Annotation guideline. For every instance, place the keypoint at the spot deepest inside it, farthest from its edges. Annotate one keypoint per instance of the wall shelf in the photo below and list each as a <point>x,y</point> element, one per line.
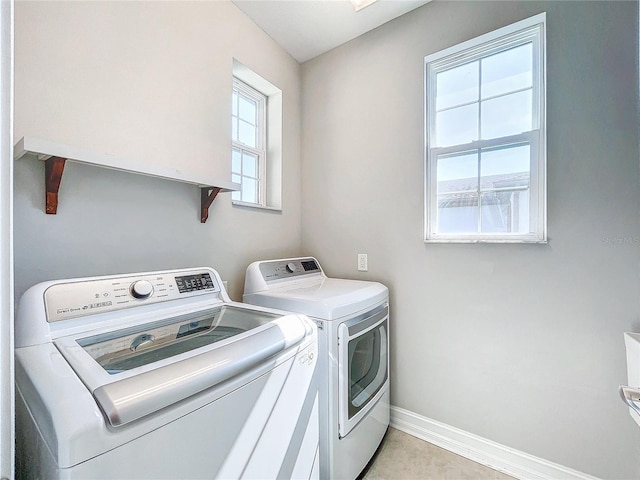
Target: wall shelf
<point>56,155</point>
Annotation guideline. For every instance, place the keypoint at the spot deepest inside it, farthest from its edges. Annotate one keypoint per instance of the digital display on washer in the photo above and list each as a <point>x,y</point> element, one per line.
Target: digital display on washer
<point>309,265</point>
<point>192,283</point>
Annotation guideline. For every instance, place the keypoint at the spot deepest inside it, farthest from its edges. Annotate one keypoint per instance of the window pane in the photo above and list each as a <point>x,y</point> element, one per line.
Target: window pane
<point>505,211</point>
<point>250,165</point>
<point>247,109</point>
<point>236,155</point>
<point>234,103</point>
<point>249,190</point>
<point>247,133</point>
<point>457,193</point>
<point>507,115</point>
<point>495,213</point>
<point>235,177</point>
<point>457,126</point>
<point>234,129</point>
<point>507,71</point>
<point>457,173</point>
<point>506,163</point>
<point>457,86</point>
<point>506,171</point>
<point>458,213</point>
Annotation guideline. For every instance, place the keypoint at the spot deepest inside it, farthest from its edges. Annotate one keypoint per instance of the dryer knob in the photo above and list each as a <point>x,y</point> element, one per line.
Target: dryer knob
<point>291,267</point>
<point>141,289</point>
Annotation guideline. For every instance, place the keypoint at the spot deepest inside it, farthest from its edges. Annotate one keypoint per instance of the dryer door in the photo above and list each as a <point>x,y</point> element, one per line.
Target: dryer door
<point>363,366</point>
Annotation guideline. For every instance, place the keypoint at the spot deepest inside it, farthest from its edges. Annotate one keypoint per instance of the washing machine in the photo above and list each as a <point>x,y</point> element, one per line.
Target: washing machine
<point>159,375</point>
<point>353,342</point>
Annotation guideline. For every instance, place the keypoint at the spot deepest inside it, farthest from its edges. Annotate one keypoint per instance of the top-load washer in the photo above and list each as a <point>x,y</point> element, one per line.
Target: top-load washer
<point>353,347</point>
<point>160,376</point>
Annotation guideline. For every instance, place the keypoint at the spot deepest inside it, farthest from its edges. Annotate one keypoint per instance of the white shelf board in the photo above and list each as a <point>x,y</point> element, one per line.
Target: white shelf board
<point>45,149</point>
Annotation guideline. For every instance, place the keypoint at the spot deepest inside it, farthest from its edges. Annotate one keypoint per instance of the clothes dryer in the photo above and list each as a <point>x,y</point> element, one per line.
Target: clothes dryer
<point>353,344</point>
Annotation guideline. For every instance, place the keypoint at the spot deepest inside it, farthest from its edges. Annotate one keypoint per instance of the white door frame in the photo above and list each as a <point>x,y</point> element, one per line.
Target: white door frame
<point>7,427</point>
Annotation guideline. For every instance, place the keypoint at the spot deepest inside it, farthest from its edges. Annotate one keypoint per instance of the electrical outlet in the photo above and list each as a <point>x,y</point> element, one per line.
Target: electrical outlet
<point>363,264</point>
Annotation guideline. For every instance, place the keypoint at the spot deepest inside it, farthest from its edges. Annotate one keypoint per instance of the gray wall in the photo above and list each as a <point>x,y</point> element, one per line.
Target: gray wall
<point>150,81</point>
<point>520,344</point>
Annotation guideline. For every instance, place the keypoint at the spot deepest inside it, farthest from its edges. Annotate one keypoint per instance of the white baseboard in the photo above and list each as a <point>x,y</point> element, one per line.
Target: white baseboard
<point>499,457</point>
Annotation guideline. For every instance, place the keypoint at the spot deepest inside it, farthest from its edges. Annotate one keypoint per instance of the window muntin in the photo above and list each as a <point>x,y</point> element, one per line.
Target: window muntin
<point>485,155</point>
<point>248,138</point>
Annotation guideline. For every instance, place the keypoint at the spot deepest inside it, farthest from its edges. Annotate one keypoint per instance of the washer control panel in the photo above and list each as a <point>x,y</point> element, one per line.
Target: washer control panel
<point>88,297</point>
<point>290,268</point>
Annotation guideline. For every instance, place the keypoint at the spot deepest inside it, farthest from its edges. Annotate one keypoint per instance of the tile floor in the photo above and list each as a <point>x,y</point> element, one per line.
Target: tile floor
<point>405,457</point>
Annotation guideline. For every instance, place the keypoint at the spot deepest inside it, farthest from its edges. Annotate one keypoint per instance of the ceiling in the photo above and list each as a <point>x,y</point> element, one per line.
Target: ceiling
<point>308,28</point>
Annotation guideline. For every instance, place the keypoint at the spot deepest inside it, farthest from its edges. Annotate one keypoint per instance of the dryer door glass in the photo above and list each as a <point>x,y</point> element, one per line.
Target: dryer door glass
<point>363,365</point>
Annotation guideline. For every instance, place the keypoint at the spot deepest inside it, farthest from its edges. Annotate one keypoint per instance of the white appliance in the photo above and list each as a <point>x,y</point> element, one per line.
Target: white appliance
<point>631,393</point>
<point>160,376</point>
<point>353,345</point>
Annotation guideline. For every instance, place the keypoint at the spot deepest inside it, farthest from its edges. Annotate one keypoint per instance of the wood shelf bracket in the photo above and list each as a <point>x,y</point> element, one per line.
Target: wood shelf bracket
<point>207,196</point>
<point>53,170</point>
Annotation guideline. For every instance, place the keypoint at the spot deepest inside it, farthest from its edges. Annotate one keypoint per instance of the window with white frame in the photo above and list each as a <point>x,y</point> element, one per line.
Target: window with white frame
<point>248,138</point>
<point>485,146</point>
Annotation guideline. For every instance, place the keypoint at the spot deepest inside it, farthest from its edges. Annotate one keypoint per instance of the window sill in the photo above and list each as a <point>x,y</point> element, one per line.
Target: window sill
<point>486,240</point>
<point>236,203</point>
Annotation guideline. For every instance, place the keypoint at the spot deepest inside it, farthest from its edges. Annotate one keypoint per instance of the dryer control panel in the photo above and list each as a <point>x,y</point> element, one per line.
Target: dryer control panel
<point>73,299</point>
<point>289,268</point>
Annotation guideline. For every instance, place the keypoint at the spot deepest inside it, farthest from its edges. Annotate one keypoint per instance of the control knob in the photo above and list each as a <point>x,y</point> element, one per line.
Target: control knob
<point>141,289</point>
<point>291,267</point>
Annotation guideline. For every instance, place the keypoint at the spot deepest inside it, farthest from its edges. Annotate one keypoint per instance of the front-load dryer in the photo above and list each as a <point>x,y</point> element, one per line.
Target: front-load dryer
<point>159,375</point>
<point>353,344</point>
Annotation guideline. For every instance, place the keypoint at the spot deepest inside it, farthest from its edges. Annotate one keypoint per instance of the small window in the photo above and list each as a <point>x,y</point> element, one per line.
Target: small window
<point>248,136</point>
<point>257,140</point>
<point>485,146</point>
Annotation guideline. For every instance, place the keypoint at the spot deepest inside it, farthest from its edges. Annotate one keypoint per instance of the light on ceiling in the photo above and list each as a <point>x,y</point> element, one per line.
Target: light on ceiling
<point>360,4</point>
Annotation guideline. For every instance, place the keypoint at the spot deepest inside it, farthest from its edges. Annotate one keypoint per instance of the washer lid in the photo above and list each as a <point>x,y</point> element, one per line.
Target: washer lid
<point>139,370</point>
<point>326,299</point>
